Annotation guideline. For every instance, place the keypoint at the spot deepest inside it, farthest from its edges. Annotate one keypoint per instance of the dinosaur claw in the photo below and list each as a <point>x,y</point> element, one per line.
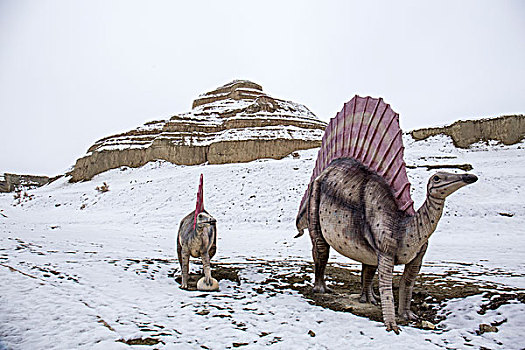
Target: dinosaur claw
<point>364,299</point>
<point>321,289</point>
<point>393,327</point>
<point>409,316</point>
<point>368,298</point>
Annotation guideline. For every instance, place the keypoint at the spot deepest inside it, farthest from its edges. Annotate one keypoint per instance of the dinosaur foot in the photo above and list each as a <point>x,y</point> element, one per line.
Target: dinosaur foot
<point>321,289</point>
<point>408,315</point>
<point>368,298</point>
<point>392,326</point>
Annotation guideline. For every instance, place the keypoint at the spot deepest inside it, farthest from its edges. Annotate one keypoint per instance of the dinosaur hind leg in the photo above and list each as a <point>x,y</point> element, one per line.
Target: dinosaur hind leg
<point>367,277</point>
<point>320,252</point>
<point>320,248</point>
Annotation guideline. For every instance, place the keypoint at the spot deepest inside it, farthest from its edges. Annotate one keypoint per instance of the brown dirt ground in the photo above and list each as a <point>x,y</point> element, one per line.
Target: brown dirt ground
<point>430,291</point>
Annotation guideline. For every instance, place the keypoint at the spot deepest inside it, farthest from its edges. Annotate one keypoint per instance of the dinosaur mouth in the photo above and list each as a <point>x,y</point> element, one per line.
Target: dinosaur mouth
<point>213,221</point>
<point>465,178</point>
<point>469,178</point>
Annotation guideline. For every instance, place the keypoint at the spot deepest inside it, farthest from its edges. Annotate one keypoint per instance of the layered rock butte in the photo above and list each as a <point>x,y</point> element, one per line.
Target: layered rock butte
<point>507,129</point>
<point>15,182</point>
<point>234,123</point>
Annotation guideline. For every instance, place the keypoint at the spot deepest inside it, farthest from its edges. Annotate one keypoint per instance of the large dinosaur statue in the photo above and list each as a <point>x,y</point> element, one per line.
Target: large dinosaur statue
<point>358,202</point>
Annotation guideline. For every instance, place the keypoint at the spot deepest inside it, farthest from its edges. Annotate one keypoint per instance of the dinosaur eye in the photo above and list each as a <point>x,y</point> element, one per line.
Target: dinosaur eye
<point>436,178</point>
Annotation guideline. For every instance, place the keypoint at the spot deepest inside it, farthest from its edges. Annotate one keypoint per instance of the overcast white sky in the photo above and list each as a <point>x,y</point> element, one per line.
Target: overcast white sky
<point>72,72</point>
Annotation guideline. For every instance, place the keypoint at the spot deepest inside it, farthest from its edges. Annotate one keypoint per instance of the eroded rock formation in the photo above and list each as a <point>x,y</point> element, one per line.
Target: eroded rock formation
<point>508,130</point>
<point>15,182</point>
<point>237,122</point>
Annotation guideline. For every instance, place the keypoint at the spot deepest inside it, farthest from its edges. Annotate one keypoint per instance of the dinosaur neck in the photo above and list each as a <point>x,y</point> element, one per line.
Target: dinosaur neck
<point>420,227</point>
<point>199,230</point>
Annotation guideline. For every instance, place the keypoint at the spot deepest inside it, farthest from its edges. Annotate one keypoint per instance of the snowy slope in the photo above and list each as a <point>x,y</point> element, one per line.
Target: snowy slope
<point>83,269</point>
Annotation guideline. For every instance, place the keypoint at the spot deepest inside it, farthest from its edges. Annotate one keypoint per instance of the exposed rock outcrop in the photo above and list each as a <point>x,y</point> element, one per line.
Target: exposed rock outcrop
<point>237,122</point>
<point>508,129</point>
<point>15,182</point>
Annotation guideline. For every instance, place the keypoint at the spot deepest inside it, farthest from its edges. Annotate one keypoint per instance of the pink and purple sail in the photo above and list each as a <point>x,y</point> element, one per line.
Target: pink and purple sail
<point>368,130</point>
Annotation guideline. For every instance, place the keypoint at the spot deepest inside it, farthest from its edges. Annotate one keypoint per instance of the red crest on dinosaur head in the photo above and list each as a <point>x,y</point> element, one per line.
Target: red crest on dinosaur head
<point>199,208</point>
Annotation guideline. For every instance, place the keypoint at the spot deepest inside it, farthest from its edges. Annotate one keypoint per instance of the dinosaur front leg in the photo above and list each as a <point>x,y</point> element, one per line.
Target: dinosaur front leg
<point>206,267</point>
<point>185,267</point>
<point>406,285</point>
<point>367,277</point>
<point>179,253</point>
<point>386,269</point>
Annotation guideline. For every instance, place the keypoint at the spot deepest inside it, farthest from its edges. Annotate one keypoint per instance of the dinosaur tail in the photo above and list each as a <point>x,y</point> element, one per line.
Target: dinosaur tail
<point>199,208</point>
<point>301,222</point>
<point>367,130</point>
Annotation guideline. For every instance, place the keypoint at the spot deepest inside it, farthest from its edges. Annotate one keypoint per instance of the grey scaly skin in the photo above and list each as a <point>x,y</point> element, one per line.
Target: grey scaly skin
<point>198,242</point>
<point>353,210</point>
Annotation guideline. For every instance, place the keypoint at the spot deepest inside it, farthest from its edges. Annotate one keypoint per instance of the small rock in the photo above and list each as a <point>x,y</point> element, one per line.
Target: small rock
<point>427,325</point>
<point>204,287</point>
<point>311,333</point>
<point>486,328</point>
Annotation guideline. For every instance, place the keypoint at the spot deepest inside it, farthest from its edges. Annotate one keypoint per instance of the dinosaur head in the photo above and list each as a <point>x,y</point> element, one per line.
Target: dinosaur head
<point>205,223</point>
<point>442,185</point>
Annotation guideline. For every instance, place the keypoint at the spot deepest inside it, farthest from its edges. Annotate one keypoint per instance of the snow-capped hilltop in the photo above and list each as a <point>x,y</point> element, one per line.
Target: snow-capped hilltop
<point>234,123</point>
<point>244,98</point>
<point>236,89</point>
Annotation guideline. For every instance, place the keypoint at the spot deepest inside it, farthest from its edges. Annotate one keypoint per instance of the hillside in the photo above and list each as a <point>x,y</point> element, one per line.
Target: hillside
<point>88,269</point>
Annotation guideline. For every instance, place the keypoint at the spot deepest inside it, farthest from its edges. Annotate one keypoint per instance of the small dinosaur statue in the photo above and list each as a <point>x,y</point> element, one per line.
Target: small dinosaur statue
<point>197,237</point>
<point>358,202</point>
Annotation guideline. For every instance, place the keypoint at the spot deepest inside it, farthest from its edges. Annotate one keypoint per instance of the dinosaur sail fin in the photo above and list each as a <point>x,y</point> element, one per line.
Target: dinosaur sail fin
<point>199,208</point>
<point>368,130</point>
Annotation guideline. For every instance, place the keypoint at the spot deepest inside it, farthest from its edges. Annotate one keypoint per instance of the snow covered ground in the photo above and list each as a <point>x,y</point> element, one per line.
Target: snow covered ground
<point>83,269</point>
